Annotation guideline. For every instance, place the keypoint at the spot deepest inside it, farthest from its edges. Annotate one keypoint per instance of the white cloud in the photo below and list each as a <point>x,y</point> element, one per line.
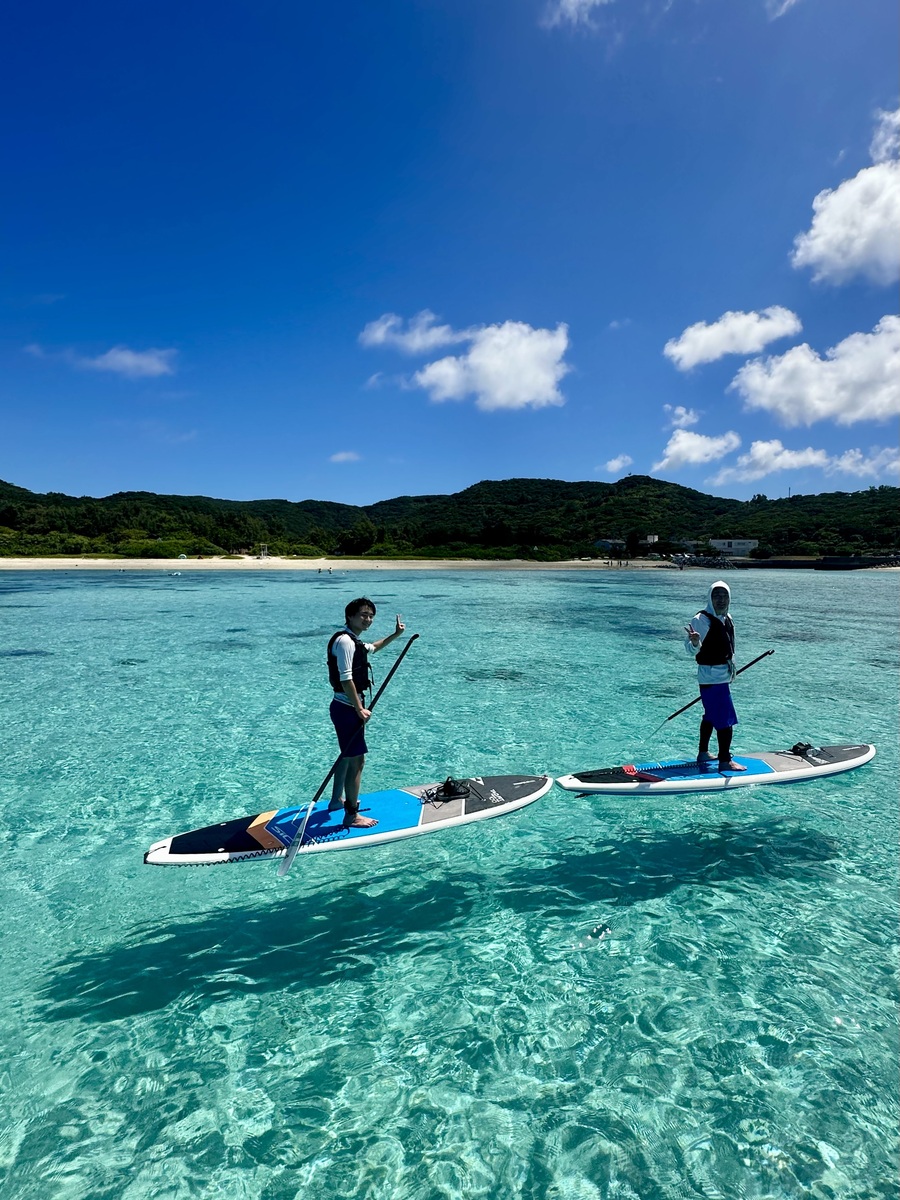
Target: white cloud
<point>885,143</point>
<point>133,364</point>
<point>733,333</point>
<point>855,229</point>
<point>508,366</point>
<point>857,380</point>
<point>856,226</point>
<point>681,417</point>
<point>881,461</point>
<point>619,463</point>
<point>581,12</point>
<point>420,337</point>
<point>571,12</point>
<point>159,431</point>
<point>765,458</point>
<point>777,8</point>
<point>120,360</point>
<point>343,456</point>
<point>685,449</point>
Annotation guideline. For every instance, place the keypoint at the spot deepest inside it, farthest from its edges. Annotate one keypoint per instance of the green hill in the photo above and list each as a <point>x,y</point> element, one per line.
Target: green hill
<point>534,518</point>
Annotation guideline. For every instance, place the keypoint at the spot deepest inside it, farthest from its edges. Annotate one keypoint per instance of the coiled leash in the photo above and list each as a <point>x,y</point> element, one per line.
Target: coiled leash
<point>450,789</point>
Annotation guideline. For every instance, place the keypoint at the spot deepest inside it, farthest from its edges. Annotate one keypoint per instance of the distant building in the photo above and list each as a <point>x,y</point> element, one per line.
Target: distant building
<point>609,544</point>
<point>739,546</point>
<point>651,539</point>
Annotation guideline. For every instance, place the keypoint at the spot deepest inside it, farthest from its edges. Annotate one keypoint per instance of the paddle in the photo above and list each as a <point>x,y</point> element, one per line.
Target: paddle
<point>696,699</point>
<point>296,841</point>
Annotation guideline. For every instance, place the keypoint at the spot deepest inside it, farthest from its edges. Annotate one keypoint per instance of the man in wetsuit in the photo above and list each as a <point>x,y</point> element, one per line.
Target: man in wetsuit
<point>348,673</point>
<point>710,639</point>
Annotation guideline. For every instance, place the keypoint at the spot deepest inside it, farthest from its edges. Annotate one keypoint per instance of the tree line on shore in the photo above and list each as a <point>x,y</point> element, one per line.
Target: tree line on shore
<point>540,519</point>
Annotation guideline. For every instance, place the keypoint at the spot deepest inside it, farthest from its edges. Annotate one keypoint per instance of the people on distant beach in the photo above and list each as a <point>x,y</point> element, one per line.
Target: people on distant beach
<point>710,639</point>
<point>350,678</point>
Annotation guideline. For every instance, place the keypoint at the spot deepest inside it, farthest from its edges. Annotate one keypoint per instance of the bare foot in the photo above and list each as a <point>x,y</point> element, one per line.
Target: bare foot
<point>335,805</point>
<point>704,757</point>
<point>358,821</point>
<point>731,766</point>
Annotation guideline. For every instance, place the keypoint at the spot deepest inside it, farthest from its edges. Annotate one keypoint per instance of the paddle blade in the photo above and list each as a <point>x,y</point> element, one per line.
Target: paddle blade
<point>296,842</point>
<point>287,862</point>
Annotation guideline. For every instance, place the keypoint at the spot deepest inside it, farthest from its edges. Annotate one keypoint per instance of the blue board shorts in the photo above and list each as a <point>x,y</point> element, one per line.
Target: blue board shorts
<point>718,707</point>
<point>349,729</point>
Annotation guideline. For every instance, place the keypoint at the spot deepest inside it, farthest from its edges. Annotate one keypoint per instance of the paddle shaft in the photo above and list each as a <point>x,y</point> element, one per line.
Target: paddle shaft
<point>297,839</point>
<point>697,699</point>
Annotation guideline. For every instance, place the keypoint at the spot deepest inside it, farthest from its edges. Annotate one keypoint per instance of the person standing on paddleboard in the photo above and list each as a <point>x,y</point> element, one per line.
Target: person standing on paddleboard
<point>350,678</point>
<point>710,639</point>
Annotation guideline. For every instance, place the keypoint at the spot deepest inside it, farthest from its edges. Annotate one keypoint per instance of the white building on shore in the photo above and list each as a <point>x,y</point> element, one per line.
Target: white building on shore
<point>736,546</point>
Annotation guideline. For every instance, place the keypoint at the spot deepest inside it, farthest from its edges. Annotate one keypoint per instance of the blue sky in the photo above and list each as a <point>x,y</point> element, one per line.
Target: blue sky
<point>355,251</point>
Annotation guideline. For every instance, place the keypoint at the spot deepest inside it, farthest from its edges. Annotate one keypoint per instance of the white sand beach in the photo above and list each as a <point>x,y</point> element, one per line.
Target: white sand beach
<point>316,565</point>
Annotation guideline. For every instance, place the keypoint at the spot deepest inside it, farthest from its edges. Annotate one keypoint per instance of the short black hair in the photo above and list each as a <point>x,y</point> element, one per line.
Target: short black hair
<point>355,605</point>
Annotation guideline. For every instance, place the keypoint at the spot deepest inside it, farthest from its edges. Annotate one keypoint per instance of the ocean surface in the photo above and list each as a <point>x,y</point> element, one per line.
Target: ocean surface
<point>593,998</point>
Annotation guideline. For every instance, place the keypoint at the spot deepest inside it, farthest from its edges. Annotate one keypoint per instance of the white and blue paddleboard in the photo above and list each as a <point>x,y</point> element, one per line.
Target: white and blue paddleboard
<point>400,813</point>
<point>675,775</point>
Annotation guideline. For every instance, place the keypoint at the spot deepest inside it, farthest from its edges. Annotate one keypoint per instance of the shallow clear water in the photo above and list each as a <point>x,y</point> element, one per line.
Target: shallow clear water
<point>433,1018</point>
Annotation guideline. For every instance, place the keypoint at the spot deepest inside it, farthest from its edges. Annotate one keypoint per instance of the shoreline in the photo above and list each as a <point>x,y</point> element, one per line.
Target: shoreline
<point>323,565</point>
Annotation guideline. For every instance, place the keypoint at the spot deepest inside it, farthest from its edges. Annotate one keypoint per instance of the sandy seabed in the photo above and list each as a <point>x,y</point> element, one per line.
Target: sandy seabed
<point>320,565</point>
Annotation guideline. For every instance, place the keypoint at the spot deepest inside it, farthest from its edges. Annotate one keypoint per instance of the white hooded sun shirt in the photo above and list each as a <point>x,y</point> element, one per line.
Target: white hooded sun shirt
<point>723,672</point>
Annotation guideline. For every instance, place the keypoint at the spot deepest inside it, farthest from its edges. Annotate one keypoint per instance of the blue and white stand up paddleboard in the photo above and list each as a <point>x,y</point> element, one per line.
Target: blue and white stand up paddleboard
<point>400,813</point>
<point>676,775</point>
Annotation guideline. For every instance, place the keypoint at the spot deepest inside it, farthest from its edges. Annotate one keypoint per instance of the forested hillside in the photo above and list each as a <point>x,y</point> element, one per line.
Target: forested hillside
<point>533,518</point>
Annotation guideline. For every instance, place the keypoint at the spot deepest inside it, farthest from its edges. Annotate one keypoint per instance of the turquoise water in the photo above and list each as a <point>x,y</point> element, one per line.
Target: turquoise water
<point>434,1019</point>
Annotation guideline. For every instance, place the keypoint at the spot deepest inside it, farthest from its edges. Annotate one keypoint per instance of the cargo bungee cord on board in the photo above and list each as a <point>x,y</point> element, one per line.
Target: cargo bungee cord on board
<point>288,861</point>
<point>696,700</point>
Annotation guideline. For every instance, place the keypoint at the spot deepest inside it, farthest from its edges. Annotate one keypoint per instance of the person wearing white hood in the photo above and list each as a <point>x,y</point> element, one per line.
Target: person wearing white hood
<point>710,639</point>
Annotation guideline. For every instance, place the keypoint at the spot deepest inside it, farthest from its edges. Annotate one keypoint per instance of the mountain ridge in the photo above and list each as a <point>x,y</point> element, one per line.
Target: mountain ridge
<point>521,517</point>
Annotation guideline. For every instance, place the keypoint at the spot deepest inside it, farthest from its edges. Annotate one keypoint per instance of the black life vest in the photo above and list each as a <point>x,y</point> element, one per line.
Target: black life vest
<point>361,673</point>
<point>718,645</point>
